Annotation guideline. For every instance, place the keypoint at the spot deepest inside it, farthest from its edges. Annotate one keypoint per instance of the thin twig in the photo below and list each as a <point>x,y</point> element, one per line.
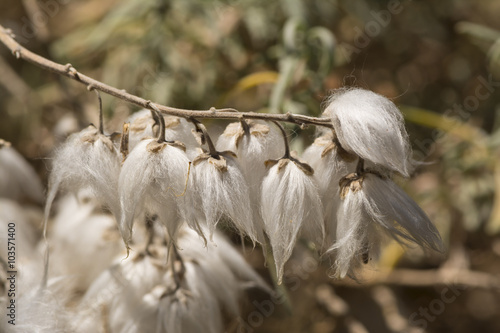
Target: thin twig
<point>101,117</point>
<point>430,278</point>
<point>161,122</point>
<point>211,147</point>
<point>7,38</point>
<point>285,140</point>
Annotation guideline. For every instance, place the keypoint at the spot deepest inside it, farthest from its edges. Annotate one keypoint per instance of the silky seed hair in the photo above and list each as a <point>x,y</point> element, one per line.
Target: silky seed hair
<point>372,127</point>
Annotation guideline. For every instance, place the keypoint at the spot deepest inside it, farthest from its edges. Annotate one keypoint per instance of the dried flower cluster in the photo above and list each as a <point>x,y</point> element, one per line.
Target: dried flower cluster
<point>341,197</point>
<point>182,275</point>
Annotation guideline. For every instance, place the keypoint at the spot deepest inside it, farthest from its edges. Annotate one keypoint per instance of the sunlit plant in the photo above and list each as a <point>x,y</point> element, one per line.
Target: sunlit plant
<point>169,185</point>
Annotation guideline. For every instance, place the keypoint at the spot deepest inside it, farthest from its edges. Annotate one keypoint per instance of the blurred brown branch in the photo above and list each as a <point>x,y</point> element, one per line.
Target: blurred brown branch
<point>429,278</point>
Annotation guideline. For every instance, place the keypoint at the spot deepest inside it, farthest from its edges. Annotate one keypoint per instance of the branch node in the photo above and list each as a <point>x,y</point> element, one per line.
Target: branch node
<point>17,52</point>
<point>213,110</point>
<point>285,139</point>
<point>244,124</point>
<point>8,32</point>
<point>71,70</point>
<point>90,87</point>
<point>161,136</point>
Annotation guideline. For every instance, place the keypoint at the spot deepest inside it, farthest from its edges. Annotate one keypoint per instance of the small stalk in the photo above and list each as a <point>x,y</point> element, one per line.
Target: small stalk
<point>101,117</point>
<point>211,147</point>
<point>245,126</point>
<point>360,167</point>
<point>174,257</point>
<point>285,139</point>
<point>161,121</point>
<point>91,87</point>
<point>124,141</point>
<point>150,220</point>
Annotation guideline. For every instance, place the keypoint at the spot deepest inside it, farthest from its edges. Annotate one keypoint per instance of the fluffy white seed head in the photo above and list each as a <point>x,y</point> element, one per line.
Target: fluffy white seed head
<point>155,176</point>
<point>223,192</point>
<point>193,308</point>
<point>181,130</point>
<point>18,179</point>
<point>87,159</point>
<point>83,242</point>
<point>220,254</point>
<point>330,163</point>
<point>262,142</point>
<point>372,127</point>
<point>142,126</point>
<point>140,294</point>
<point>372,208</point>
<point>399,214</point>
<point>37,310</point>
<point>253,145</point>
<point>290,203</point>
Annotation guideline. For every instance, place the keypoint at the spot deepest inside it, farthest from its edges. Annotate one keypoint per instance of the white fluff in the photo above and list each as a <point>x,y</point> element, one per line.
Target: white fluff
<point>262,142</point>
<point>139,295</point>
<point>114,302</point>
<point>18,179</point>
<point>142,126</point>
<point>222,261</point>
<point>193,308</point>
<point>234,261</point>
<point>372,208</point>
<point>83,243</point>
<point>290,200</point>
<point>181,130</point>
<point>394,210</point>
<point>39,311</point>
<point>223,192</point>
<point>155,175</point>
<point>330,164</point>
<point>26,235</point>
<point>372,127</point>
<point>87,159</point>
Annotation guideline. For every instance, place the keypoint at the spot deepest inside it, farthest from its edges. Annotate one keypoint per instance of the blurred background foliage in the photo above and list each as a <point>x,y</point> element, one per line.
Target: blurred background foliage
<point>438,60</point>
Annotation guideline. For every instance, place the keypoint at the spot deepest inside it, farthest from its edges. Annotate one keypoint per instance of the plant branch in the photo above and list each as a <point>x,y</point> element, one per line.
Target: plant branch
<point>211,147</point>
<point>429,278</point>
<point>7,38</point>
<point>285,140</point>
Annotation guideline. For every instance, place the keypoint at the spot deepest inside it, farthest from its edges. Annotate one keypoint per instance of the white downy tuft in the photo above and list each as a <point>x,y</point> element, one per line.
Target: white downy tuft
<point>330,163</point>
<point>114,301</point>
<point>155,175</point>
<point>223,192</point>
<point>141,294</point>
<point>87,159</point>
<point>221,258</point>
<point>239,267</point>
<point>181,130</point>
<point>193,308</point>
<point>372,127</point>
<point>18,179</point>
<point>253,145</point>
<point>253,149</point>
<point>399,214</point>
<point>290,200</point>
<point>39,311</point>
<point>83,242</point>
<point>372,208</point>
<point>142,126</point>
<point>352,231</point>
